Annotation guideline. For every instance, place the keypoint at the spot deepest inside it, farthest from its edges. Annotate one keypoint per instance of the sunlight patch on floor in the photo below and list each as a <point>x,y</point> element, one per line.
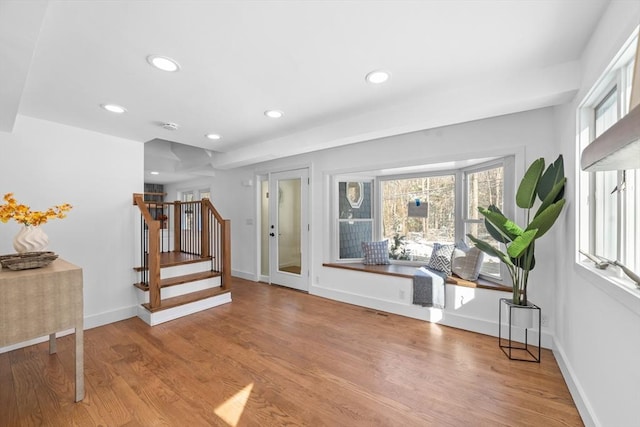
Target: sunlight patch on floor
<point>231,410</point>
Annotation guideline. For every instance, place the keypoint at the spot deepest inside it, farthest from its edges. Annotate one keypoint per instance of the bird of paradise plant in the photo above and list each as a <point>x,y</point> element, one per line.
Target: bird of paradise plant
<point>23,214</point>
<point>547,185</point>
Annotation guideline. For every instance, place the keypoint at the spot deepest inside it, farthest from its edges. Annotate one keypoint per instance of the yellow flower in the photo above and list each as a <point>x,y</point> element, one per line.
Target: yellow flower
<point>23,214</point>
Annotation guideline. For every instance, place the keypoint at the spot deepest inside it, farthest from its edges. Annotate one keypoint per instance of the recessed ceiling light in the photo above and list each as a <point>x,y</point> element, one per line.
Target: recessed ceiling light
<point>163,63</point>
<point>154,173</point>
<point>114,108</point>
<point>213,136</point>
<point>377,76</point>
<point>274,114</point>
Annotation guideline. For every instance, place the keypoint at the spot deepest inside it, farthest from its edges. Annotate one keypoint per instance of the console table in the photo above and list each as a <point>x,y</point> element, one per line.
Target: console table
<point>42,301</point>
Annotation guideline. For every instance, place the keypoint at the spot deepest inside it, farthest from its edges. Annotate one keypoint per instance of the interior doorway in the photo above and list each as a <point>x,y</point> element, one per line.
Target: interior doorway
<point>284,228</point>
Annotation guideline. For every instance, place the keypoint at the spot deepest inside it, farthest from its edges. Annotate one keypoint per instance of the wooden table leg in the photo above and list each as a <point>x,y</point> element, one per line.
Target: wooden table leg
<point>79,363</point>
<point>52,343</point>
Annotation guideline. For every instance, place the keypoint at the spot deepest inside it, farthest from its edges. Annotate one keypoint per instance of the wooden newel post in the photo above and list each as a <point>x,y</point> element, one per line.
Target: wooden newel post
<point>154,264</point>
<point>226,254</point>
<point>204,229</point>
<point>177,226</point>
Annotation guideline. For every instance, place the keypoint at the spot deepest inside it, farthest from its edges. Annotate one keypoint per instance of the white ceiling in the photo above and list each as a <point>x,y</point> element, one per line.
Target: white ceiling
<point>451,61</point>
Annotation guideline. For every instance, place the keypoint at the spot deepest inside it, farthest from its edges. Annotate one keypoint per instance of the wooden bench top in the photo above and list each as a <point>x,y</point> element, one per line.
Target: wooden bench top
<point>408,271</point>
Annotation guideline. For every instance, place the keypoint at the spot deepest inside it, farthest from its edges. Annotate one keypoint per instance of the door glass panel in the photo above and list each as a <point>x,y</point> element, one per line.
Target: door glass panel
<point>289,215</point>
<point>264,227</point>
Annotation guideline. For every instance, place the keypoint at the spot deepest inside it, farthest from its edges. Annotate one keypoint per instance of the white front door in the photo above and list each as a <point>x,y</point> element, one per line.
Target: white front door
<point>288,229</point>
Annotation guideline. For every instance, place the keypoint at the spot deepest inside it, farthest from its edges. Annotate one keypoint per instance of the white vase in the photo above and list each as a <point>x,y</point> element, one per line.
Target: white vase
<point>30,238</point>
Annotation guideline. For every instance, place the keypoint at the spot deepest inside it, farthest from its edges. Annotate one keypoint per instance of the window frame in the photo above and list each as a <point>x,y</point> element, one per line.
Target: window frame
<point>615,77</point>
<point>430,174</point>
<point>508,204</point>
<point>335,215</point>
<point>506,160</point>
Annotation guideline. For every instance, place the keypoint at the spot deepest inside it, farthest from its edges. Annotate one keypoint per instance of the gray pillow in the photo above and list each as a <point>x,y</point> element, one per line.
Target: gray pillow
<point>467,261</point>
<point>375,252</point>
<point>441,258</point>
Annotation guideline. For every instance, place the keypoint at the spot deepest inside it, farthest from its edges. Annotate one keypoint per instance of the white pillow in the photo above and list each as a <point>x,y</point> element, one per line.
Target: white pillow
<point>467,261</point>
<point>440,258</point>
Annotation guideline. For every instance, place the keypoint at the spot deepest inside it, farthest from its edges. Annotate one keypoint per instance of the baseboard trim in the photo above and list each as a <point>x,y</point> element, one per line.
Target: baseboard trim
<point>585,409</point>
<point>90,322</point>
<point>244,275</point>
<point>105,318</point>
<point>434,315</point>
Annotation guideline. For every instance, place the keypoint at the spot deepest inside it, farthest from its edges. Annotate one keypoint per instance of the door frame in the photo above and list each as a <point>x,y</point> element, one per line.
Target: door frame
<point>306,249</point>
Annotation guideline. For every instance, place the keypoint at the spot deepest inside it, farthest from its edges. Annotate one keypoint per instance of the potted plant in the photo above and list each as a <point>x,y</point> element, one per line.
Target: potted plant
<point>397,249</point>
<point>537,183</point>
<point>30,238</point>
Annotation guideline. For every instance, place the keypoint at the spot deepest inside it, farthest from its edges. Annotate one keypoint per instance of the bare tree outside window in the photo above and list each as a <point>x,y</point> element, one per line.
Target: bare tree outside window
<point>417,235</point>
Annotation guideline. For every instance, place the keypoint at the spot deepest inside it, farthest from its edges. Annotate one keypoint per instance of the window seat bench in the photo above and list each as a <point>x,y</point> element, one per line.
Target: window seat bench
<point>408,271</point>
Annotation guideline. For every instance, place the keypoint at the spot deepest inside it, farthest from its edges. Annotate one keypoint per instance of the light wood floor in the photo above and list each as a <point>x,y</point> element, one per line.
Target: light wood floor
<point>277,357</point>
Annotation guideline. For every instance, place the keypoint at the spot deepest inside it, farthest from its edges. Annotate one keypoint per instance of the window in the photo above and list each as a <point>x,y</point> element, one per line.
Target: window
<point>484,187</point>
<point>355,216</point>
<point>414,211</point>
<point>413,231</point>
<point>606,239</point>
<point>191,215</point>
<point>187,211</point>
<point>610,200</point>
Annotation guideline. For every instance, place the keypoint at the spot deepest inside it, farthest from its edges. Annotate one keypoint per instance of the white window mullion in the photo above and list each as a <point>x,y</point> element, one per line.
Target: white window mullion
<point>461,205</point>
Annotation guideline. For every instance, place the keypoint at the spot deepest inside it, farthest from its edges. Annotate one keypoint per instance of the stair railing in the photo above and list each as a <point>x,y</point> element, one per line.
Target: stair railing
<point>216,232</point>
<point>204,232</point>
<point>150,251</point>
<point>195,228</point>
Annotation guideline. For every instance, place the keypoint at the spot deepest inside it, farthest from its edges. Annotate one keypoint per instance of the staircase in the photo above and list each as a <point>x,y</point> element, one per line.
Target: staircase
<point>185,259</point>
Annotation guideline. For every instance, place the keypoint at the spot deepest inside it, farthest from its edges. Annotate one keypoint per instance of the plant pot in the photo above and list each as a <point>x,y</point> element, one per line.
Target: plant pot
<point>30,238</point>
<point>519,315</point>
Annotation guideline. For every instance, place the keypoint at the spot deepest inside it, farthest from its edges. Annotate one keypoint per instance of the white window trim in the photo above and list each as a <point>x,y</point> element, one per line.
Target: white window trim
<point>335,216</point>
<point>611,281</point>
<point>378,206</point>
<point>507,160</point>
<point>508,203</point>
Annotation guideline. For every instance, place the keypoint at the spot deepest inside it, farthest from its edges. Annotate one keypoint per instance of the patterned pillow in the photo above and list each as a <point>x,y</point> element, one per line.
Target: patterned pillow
<point>441,258</point>
<point>375,252</point>
<point>467,261</point>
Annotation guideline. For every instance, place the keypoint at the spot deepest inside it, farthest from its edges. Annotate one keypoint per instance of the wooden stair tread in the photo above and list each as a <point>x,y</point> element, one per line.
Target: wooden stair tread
<point>172,259</point>
<point>193,277</point>
<point>179,280</point>
<point>186,299</point>
<point>183,262</point>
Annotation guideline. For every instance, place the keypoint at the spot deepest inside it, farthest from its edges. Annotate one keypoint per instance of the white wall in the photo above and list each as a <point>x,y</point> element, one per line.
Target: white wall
<point>595,338</point>
<point>44,164</point>
<point>527,135</point>
<point>597,333</point>
<point>236,202</point>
